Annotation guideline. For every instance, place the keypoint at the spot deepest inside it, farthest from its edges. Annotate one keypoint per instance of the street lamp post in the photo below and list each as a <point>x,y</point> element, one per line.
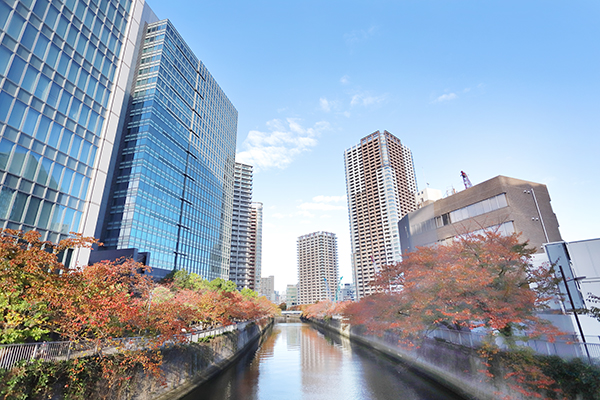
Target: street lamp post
<point>562,273</point>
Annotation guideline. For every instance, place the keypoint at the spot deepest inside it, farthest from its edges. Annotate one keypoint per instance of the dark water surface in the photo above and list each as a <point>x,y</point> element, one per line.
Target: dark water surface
<point>297,362</point>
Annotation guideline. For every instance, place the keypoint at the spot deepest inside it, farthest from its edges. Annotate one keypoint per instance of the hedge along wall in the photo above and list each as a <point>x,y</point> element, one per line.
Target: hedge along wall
<point>184,367</point>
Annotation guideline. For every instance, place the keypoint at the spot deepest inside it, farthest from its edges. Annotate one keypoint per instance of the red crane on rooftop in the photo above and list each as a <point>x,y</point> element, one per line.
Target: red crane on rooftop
<point>466,179</point>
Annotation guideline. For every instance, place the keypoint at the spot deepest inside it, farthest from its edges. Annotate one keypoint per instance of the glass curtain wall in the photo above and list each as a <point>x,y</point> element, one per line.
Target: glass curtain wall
<point>57,67</point>
<point>173,192</point>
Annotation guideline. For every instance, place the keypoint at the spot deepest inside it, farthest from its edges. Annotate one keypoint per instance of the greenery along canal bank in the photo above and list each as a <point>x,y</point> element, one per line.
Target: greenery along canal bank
<point>183,367</point>
<point>45,306</point>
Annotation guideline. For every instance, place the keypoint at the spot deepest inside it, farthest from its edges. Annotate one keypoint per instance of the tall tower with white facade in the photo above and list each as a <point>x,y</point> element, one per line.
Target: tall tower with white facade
<point>255,245</point>
<point>381,187</point>
<point>317,267</point>
<point>239,267</point>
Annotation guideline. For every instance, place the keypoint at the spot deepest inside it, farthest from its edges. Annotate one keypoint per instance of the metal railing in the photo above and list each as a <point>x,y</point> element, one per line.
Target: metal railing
<point>11,354</point>
<point>564,349</point>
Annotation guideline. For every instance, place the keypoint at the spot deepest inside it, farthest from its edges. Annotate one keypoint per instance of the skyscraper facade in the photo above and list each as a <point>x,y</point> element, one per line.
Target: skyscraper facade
<point>65,69</point>
<point>255,242</point>
<point>111,127</point>
<point>381,187</point>
<point>317,267</point>
<point>172,190</point>
<point>239,266</point>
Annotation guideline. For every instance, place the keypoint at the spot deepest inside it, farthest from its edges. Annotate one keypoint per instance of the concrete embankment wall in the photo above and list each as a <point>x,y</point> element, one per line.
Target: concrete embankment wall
<point>455,367</point>
<point>187,366</point>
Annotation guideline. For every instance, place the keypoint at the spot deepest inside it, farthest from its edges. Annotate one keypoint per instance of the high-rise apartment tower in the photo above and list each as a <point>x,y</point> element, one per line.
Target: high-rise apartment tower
<point>239,266</point>
<point>267,287</point>
<point>255,245</point>
<point>381,187</point>
<point>317,267</point>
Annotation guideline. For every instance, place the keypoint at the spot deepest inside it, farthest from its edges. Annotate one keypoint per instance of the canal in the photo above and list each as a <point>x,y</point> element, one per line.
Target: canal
<point>299,362</point>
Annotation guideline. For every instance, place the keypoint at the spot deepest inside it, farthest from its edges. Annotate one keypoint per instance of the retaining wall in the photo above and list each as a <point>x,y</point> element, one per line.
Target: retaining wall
<point>455,367</point>
<point>188,366</point>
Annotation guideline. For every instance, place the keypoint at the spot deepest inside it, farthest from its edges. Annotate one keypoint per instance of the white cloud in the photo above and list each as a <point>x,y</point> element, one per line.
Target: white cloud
<point>446,97</point>
<point>329,199</point>
<point>304,213</point>
<point>359,36</point>
<point>324,104</point>
<point>324,203</point>
<point>366,99</point>
<point>320,207</point>
<point>344,80</point>
<point>278,147</point>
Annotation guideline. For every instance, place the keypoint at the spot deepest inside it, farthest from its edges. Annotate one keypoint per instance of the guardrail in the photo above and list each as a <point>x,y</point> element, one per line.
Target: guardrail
<point>11,354</point>
<point>564,349</point>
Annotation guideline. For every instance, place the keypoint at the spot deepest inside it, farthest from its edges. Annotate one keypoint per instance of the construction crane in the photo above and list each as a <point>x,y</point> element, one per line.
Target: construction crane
<point>328,289</point>
<point>466,179</point>
<point>338,289</point>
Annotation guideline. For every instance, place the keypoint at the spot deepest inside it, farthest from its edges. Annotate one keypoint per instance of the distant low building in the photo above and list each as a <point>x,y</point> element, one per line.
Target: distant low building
<point>291,295</point>
<point>347,292</point>
<point>267,287</point>
<point>427,196</point>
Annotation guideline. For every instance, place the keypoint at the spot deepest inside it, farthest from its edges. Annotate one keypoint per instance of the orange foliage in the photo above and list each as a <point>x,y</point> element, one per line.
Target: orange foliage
<point>325,309</point>
<point>40,299</point>
<point>478,281</point>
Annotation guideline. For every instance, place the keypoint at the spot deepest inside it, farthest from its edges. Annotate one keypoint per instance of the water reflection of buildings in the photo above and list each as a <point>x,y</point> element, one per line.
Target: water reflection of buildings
<point>293,334</point>
<point>320,361</point>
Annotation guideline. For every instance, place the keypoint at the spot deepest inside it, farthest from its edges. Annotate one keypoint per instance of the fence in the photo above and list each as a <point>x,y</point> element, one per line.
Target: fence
<point>11,354</point>
<point>564,349</point>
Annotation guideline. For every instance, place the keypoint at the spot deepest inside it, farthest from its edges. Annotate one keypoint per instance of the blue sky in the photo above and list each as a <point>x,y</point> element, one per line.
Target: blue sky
<point>489,87</point>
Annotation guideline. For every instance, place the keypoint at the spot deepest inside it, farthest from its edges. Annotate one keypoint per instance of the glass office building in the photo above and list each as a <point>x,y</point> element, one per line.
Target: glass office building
<point>172,191</point>
<point>59,67</point>
<point>157,176</point>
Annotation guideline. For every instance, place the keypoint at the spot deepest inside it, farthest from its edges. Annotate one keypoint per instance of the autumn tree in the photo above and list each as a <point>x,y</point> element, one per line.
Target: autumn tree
<point>485,280</point>
<point>325,309</point>
<point>30,277</point>
<point>41,299</point>
<point>39,296</point>
<point>104,300</point>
